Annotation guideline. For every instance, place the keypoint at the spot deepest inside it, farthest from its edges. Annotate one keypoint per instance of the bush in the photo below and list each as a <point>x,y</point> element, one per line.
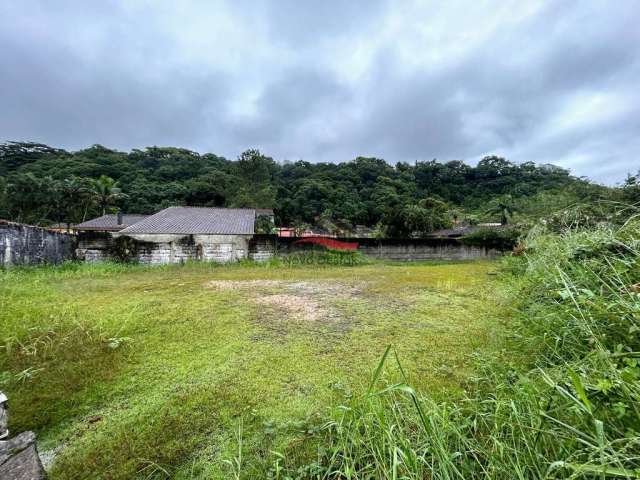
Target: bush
<point>588,216</point>
<point>503,238</point>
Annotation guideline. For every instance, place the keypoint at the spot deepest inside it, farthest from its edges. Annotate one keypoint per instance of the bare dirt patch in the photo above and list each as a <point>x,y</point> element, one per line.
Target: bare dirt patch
<point>295,307</point>
<point>304,301</point>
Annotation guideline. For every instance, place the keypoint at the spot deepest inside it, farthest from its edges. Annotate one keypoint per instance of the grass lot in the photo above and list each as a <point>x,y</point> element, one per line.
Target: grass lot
<point>133,372</point>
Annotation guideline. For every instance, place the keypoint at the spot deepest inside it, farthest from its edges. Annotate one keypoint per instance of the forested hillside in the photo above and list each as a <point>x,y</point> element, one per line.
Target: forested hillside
<point>41,184</point>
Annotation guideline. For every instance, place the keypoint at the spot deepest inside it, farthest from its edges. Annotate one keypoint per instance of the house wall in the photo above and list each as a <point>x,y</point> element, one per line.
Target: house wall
<point>27,245</point>
<point>263,247</point>
<point>162,249</point>
<point>94,246</point>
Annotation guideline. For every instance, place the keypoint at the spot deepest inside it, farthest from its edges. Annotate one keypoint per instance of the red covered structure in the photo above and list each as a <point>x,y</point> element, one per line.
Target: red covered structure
<point>328,243</point>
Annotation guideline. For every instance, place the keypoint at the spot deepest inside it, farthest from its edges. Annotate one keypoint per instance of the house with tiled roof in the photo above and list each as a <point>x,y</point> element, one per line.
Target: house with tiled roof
<point>196,221</point>
<point>172,235</point>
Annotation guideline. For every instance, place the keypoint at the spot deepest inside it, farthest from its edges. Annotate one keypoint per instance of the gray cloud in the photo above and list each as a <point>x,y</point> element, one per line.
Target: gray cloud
<point>538,81</point>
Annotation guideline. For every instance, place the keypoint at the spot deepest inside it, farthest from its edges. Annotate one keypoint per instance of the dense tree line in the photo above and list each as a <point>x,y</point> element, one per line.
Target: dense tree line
<point>41,184</point>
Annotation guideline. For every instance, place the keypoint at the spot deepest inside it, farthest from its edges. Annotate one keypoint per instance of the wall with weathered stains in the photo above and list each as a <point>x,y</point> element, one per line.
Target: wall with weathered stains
<point>27,245</point>
<point>263,247</point>
<point>412,253</point>
<point>94,246</point>
<point>163,249</point>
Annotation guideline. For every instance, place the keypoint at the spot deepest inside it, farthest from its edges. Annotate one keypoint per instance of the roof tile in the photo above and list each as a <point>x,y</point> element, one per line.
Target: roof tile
<point>110,222</point>
<point>197,220</point>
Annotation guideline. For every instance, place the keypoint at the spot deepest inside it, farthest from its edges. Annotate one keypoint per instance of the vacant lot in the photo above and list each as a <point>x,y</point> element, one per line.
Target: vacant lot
<point>135,372</point>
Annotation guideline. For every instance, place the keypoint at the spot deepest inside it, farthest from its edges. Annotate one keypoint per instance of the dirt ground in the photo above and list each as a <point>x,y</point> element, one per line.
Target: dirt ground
<point>312,301</point>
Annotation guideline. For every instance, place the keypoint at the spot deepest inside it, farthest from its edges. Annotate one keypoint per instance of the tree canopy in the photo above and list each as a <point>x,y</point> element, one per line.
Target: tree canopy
<point>41,184</point>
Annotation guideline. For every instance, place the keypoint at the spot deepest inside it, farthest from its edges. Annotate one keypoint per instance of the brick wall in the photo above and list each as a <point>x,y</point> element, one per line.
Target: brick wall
<point>27,245</point>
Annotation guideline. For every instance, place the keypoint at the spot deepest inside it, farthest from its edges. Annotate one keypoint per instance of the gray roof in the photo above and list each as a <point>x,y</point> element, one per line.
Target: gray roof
<point>110,222</point>
<point>197,220</point>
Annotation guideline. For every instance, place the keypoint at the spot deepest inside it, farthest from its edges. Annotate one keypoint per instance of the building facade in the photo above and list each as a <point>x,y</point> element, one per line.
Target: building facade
<point>173,235</point>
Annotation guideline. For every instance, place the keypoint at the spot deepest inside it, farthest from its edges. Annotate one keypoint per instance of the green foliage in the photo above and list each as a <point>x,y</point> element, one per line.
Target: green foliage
<point>587,215</point>
<point>264,224</point>
<point>106,192</point>
<point>631,189</point>
<point>504,238</point>
<point>365,191</point>
<point>502,206</point>
<point>417,219</point>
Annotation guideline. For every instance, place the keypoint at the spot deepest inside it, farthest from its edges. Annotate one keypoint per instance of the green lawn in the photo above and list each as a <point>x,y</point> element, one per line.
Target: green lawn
<point>132,372</point>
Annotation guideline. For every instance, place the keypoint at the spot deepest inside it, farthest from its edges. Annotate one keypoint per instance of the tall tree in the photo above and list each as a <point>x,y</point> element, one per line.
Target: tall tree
<point>502,206</point>
<point>106,192</point>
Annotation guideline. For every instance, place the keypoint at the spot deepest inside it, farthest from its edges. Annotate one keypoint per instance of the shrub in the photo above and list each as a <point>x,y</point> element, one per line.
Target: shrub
<point>504,238</point>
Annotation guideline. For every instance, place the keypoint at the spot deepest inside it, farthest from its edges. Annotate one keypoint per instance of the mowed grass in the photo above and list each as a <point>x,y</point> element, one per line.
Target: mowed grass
<point>138,372</point>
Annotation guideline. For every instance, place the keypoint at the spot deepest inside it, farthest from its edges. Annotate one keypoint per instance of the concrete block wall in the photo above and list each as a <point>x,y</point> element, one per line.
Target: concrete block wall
<point>163,249</point>
<point>28,245</point>
<point>168,248</point>
<point>263,247</point>
<point>419,251</point>
<point>94,246</point>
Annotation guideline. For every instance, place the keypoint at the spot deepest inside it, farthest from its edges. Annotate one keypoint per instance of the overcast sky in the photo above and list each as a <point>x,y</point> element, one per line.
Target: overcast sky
<point>550,82</point>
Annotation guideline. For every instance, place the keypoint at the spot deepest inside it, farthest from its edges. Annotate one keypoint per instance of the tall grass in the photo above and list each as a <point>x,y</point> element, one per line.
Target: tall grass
<point>567,405</point>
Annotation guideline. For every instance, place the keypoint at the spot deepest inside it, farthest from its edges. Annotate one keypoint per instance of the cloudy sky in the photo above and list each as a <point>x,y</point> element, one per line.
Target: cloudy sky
<point>544,81</point>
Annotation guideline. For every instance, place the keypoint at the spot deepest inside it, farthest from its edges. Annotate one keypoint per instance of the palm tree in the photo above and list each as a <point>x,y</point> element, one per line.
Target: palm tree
<point>71,193</point>
<point>106,192</point>
<point>504,207</point>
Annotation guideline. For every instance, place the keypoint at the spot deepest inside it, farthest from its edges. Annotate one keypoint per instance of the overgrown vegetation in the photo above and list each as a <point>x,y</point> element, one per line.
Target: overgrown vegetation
<point>561,402</point>
<point>500,238</point>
